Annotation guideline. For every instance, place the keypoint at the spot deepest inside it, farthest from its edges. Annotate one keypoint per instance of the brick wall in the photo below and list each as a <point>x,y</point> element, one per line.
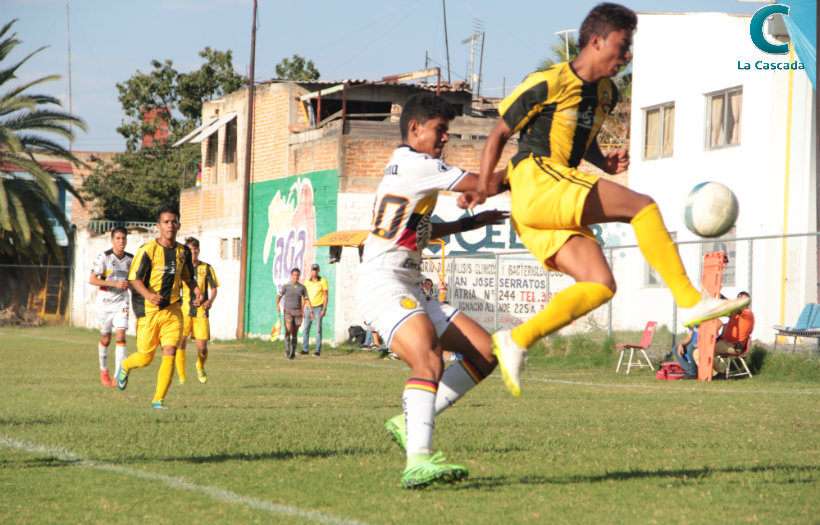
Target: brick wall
<point>272,115</point>
<point>80,215</point>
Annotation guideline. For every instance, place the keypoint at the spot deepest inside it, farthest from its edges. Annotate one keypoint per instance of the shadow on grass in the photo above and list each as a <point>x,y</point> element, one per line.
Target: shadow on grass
<point>679,474</point>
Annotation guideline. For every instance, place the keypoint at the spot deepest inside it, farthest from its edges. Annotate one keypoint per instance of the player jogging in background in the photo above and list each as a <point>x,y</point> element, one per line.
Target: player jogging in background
<point>196,318</point>
<point>390,298</point>
<point>558,113</point>
<point>157,271</point>
<point>110,273</point>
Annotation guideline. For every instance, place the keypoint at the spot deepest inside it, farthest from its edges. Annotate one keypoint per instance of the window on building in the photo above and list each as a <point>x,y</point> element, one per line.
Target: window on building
<point>723,118</point>
<point>723,244</point>
<point>211,153</point>
<point>229,151</point>
<point>224,249</point>
<point>237,248</point>
<point>651,277</point>
<point>659,131</point>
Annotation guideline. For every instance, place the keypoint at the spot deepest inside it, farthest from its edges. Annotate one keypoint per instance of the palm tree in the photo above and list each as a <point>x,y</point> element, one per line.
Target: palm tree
<point>559,51</point>
<point>29,202</point>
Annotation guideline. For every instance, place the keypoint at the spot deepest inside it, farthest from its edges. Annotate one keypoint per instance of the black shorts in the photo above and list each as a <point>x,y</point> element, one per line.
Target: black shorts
<point>293,316</point>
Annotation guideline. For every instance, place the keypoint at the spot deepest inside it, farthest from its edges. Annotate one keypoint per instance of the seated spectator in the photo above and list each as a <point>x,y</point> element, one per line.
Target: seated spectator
<point>736,331</point>
<point>685,354</point>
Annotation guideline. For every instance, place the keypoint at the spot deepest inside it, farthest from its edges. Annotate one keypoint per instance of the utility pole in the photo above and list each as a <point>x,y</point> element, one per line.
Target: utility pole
<point>246,191</point>
<point>70,112</point>
<point>446,44</point>
<point>566,33</point>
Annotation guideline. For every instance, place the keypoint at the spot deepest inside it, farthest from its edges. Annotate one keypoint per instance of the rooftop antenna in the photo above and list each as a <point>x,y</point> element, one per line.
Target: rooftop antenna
<point>478,33</point>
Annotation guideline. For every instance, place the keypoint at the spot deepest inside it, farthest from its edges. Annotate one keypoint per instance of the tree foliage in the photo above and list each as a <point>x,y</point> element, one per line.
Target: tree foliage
<point>29,126</point>
<point>178,95</point>
<point>133,185</point>
<point>559,51</point>
<point>296,68</point>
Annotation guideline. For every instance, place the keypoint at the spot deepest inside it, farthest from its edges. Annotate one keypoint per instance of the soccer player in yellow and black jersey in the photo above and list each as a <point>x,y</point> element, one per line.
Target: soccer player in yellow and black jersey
<point>196,317</point>
<point>558,113</point>
<point>157,272</point>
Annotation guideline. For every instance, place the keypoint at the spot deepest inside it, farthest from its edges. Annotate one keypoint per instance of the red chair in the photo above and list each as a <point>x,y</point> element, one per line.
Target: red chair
<point>732,358</point>
<point>646,340</point>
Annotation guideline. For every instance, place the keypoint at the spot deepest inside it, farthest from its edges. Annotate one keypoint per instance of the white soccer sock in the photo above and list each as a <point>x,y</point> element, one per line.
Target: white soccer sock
<point>419,400</point>
<point>102,352</point>
<point>456,381</point>
<point>120,357</point>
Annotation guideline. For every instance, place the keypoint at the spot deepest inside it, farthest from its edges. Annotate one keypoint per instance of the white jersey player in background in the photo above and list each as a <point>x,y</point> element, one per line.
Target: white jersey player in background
<point>390,298</point>
<point>110,273</point>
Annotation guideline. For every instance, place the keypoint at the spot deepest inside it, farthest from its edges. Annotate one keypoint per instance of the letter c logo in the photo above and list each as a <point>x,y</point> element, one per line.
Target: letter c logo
<point>756,29</point>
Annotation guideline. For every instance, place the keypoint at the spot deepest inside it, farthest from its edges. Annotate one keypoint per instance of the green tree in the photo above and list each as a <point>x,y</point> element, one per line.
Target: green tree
<point>28,126</point>
<point>178,96</point>
<point>559,51</point>
<point>132,185</point>
<point>296,69</point>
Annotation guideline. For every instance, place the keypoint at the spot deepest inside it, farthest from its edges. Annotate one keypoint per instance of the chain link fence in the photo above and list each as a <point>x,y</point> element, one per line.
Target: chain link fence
<point>501,290</point>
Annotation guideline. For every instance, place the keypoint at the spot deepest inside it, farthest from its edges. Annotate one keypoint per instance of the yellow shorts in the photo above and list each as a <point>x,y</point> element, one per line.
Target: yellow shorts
<point>161,328</point>
<point>547,201</point>
<point>200,326</point>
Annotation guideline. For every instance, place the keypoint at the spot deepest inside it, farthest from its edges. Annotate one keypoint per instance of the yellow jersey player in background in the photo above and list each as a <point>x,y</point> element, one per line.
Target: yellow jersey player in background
<point>195,318</point>
<point>558,113</point>
<point>158,270</point>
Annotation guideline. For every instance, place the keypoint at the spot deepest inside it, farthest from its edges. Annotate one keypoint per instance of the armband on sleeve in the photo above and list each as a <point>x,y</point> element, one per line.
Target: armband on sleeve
<point>468,223</point>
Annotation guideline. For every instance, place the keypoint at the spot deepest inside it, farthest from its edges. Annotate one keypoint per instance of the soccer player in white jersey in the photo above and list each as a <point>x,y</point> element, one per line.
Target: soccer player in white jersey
<point>110,273</point>
<point>391,300</point>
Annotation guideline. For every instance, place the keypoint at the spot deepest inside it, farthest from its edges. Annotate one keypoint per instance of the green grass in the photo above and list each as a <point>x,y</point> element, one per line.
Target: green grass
<point>268,440</point>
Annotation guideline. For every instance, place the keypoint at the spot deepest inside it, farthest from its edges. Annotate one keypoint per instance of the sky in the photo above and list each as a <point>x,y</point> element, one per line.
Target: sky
<point>358,39</point>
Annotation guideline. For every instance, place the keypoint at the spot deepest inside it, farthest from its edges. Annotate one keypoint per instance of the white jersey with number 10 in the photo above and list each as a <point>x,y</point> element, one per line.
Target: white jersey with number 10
<point>404,204</point>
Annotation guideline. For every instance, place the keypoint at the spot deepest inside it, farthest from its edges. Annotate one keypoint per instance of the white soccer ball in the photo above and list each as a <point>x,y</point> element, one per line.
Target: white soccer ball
<point>710,209</point>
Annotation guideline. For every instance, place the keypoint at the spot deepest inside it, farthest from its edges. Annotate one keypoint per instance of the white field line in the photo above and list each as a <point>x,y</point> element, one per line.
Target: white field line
<point>178,483</point>
<point>70,341</point>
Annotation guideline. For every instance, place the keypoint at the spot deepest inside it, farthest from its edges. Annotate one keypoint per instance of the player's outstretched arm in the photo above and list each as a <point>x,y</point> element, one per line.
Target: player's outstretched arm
<point>493,148</point>
<point>440,229</point>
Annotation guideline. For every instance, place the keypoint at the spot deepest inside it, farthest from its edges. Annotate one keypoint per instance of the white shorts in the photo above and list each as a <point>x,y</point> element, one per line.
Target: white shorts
<point>116,320</point>
<point>386,305</point>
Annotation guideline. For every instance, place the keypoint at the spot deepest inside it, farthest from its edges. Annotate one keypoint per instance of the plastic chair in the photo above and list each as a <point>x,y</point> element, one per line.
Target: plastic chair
<point>732,358</point>
<point>807,326</point>
<point>646,340</point>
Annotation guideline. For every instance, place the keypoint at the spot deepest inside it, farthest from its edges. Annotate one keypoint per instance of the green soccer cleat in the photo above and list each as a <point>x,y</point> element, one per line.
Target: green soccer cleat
<point>122,379</point>
<point>431,471</point>
<point>159,405</point>
<point>200,373</point>
<point>181,381</point>
<point>396,428</point>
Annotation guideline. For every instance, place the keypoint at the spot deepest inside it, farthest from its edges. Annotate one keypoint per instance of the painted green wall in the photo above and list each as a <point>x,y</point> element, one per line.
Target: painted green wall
<point>286,217</point>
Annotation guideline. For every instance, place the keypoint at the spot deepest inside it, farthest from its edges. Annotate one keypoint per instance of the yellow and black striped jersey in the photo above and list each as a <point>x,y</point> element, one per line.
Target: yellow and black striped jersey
<point>161,270</point>
<point>206,280</point>
<point>558,114</point>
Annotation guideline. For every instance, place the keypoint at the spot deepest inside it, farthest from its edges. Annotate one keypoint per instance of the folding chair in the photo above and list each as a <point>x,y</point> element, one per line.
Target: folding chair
<point>732,358</point>
<point>646,340</point>
<point>807,326</point>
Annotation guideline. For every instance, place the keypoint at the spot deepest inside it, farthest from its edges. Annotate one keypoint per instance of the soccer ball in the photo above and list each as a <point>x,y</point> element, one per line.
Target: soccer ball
<point>710,209</point>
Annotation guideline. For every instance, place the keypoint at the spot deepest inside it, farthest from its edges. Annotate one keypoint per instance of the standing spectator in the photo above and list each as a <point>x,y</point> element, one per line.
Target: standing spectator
<point>110,273</point>
<point>295,295</point>
<point>157,272</point>
<point>195,318</point>
<point>316,308</point>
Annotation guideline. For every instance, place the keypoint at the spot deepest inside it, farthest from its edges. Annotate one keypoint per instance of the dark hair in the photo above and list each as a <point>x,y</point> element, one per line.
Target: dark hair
<point>423,107</point>
<point>192,240</point>
<point>427,280</point>
<point>118,229</point>
<point>296,270</point>
<point>743,293</point>
<point>166,208</point>
<point>605,18</point>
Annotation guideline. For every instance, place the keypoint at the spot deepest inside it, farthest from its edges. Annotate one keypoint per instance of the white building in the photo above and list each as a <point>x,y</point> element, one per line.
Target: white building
<point>704,108</point>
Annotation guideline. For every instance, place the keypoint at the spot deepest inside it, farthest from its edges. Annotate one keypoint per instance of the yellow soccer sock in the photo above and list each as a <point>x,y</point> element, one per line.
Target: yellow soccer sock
<point>662,255</point>
<point>180,363</point>
<point>565,307</point>
<point>166,372</point>
<point>137,360</point>
<point>200,360</point>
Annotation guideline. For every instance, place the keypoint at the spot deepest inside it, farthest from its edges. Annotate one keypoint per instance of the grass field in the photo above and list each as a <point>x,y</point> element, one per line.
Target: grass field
<point>268,440</point>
